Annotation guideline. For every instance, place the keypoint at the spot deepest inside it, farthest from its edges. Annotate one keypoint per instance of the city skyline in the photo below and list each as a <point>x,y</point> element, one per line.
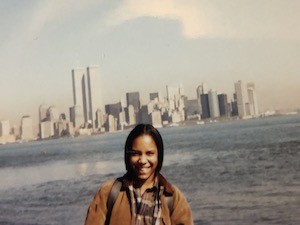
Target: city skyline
<point>145,46</point>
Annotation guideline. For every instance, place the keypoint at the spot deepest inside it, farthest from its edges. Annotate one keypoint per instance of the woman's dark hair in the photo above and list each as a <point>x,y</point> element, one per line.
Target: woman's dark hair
<point>144,129</point>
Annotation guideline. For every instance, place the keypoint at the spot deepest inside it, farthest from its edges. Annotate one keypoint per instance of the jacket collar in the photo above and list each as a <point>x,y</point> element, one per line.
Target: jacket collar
<point>127,181</point>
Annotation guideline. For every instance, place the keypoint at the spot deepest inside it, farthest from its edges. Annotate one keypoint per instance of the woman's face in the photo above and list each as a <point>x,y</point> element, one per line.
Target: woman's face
<point>144,158</point>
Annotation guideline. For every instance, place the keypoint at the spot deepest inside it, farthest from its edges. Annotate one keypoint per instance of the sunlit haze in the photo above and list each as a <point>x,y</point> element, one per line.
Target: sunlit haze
<point>144,45</point>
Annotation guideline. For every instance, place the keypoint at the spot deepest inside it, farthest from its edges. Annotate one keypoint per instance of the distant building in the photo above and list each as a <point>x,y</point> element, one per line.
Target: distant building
<point>4,128</point>
<point>87,92</point>
<point>133,98</point>
<point>205,106</point>
<point>5,133</point>
<point>202,89</point>
<point>155,96</point>
<point>79,90</point>
<point>94,93</point>
<point>130,115</point>
<point>213,104</point>
<point>26,128</point>
<point>156,119</point>
<point>52,113</point>
<point>43,112</point>
<point>252,99</point>
<point>234,107</point>
<point>191,108</point>
<point>46,129</point>
<point>76,116</point>
<point>242,98</point>
<point>112,124</point>
<point>99,118</point>
<point>223,105</point>
<point>144,114</point>
<point>246,100</point>
<point>175,97</point>
<point>113,110</point>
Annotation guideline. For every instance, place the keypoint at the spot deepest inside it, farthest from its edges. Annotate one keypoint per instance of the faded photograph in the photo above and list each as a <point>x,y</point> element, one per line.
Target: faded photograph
<point>217,80</point>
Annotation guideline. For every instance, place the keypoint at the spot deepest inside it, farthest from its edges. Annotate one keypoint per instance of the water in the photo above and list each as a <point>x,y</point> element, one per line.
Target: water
<point>238,172</point>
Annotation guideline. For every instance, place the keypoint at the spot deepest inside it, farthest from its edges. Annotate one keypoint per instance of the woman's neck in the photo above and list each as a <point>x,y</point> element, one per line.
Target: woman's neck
<point>143,185</point>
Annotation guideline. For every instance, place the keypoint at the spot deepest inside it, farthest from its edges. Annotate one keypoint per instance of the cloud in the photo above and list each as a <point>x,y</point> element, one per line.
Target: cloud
<point>218,19</point>
<point>191,18</point>
<point>46,12</point>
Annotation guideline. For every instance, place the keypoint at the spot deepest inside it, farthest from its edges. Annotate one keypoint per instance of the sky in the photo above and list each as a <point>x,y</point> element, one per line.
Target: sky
<point>144,45</point>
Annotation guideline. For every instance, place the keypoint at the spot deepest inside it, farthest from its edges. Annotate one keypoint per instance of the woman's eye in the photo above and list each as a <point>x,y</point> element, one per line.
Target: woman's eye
<point>134,153</point>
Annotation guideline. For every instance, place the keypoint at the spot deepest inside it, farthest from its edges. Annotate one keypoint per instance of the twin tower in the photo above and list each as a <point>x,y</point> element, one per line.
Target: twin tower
<point>87,98</point>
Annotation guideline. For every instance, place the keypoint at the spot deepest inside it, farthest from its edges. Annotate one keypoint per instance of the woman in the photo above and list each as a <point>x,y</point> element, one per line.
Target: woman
<point>144,195</point>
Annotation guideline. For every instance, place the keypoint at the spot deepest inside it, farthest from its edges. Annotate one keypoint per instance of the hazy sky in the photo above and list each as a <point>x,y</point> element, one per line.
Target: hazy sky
<point>143,45</point>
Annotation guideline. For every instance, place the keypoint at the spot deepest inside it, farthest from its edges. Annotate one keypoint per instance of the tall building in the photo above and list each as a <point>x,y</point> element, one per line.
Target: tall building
<point>205,106</point>
<point>113,109</point>
<point>87,92</point>
<point>99,118</point>
<point>4,128</point>
<point>201,89</point>
<point>213,104</point>
<point>43,113</point>
<point>144,114</point>
<point>76,116</point>
<point>155,96</point>
<point>252,99</point>
<point>224,105</point>
<point>191,108</point>
<point>133,98</point>
<point>174,96</point>
<point>156,119</point>
<point>52,113</point>
<point>26,128</point>
<point>79,90</point>
<point>6,136</point>
<point>246,99</point>
<point>94,93</point>
<point>130,115</point>
<point>242,98</point>
<point>46,129</point>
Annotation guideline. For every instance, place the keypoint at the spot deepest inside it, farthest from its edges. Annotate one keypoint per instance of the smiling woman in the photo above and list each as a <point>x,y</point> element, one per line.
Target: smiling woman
<point>143,195</point>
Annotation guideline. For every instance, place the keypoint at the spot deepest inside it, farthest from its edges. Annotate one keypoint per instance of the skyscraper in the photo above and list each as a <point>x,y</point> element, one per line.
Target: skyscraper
<point>87,92</point>
<point>114,110</point>
<point>252,99</point>
<point>79,90</point>
<point>4,128</point>
<point>213,104</point>
<point>205,106</point>
<point>242,98</point>
<point>223,105</point>
<point>94,93</point>
<point>133,98</point>
<point>26,128</point>
<point>43,113</point>
<point>246,99</point>
<point>201,89</point>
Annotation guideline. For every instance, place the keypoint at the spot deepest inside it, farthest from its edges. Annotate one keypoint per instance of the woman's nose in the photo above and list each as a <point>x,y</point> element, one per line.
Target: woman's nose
<point>143,159</point>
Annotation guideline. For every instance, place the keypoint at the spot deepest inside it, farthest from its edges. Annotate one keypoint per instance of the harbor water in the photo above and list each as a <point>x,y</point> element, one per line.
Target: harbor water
<point>235,172</point>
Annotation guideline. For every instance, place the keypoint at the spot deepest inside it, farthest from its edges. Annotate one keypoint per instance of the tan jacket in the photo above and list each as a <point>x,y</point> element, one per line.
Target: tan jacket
<point>121,212</point>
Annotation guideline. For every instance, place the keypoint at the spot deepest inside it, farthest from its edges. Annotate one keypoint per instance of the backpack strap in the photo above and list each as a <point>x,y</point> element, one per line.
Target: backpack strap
<point>170,202</point>
<point>113,194</point>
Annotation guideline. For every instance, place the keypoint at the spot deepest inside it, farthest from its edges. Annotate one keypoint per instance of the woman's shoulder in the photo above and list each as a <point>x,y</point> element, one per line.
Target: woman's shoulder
<point>106,187</point>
